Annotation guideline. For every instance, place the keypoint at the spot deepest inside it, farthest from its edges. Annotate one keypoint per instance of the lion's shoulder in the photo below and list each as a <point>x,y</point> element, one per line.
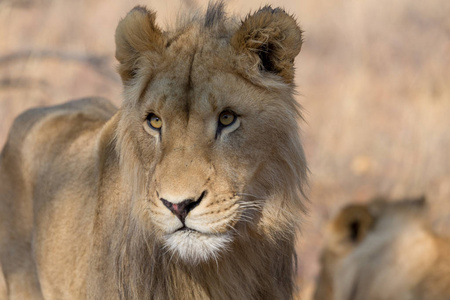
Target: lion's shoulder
<point>55,136</point>
<point>73,116</point>
<point>88,108</point>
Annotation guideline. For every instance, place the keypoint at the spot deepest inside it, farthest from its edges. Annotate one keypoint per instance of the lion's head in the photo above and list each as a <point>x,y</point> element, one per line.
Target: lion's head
<point>383,250</point>
<point>208,131</point>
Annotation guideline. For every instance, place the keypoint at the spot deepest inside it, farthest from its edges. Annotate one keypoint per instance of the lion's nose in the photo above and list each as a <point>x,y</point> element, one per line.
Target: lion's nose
<point>181,209</point>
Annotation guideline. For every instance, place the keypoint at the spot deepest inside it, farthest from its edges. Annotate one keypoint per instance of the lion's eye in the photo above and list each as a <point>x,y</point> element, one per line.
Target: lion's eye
<point>227,118</point>
<point>154,121</point>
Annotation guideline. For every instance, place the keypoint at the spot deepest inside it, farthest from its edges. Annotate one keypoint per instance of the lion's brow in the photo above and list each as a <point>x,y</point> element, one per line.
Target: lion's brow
<point>212,100</point>
<point>160,102</point>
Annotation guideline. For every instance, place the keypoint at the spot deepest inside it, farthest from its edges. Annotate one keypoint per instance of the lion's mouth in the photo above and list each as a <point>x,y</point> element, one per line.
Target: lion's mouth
<point>187,229</point>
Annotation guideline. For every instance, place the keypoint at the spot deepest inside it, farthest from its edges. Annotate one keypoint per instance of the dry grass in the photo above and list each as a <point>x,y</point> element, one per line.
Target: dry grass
<point>374,78</point>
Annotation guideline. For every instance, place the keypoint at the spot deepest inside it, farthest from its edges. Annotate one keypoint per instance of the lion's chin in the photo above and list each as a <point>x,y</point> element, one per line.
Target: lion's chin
<point>195,247</point>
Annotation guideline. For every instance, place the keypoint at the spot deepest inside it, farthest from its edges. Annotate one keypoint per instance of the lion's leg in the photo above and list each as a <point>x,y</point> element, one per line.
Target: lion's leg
<point>18,279</point>
<point>3,291</point>
<point>22,284</point>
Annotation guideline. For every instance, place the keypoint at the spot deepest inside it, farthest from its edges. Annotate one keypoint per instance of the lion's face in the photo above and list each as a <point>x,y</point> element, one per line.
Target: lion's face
<point>211,147</point>
<point>205,155</point>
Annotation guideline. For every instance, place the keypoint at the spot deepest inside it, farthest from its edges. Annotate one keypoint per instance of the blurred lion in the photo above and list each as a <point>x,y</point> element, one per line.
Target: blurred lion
<point>193,189</point>
<point>384,251</point>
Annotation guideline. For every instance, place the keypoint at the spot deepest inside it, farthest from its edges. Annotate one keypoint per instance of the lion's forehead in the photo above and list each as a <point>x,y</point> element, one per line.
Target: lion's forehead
<point>197,76</point>
<point>175,94</point>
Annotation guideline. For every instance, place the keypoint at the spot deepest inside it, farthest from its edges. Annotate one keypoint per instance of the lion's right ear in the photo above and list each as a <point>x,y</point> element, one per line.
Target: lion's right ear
<point>353,223</point>
<point>136,34</point>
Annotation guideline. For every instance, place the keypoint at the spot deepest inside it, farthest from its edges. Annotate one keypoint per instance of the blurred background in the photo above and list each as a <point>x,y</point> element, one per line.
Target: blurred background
<point>373,78</point>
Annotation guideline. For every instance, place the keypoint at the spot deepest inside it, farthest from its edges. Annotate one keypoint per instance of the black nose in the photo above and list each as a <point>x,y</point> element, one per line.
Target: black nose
<point>181,209</point>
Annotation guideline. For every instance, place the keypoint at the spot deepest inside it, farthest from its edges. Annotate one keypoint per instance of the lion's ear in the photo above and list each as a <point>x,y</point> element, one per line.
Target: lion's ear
<point>353,223</point>
<point>273,38</point>
<point>136,34</point>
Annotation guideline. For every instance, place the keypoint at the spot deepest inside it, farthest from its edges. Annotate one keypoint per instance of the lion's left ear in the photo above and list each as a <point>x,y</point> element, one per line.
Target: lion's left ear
<point>136,34</point>
<point>273,38</point>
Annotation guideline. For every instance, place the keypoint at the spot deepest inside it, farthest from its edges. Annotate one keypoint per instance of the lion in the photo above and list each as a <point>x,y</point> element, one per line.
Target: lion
<point>192,189</point>
<point>384,250</point>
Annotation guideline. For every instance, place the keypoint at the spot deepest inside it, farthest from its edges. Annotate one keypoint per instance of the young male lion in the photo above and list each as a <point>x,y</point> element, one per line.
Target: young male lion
<point>384,251</point>
<point>191,190</point>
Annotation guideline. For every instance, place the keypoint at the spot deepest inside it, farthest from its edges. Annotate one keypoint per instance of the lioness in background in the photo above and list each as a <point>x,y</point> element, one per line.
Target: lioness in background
<point>384,251</point>
<point>191,190</point>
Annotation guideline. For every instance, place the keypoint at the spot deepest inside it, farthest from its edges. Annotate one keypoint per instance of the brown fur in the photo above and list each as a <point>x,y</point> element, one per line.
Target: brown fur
<point>384,251</point>
<point>81,210</point>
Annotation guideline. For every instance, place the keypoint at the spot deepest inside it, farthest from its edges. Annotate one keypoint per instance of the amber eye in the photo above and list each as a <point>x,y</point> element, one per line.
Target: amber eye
<point>227,118</point>
<point>154,121</point>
